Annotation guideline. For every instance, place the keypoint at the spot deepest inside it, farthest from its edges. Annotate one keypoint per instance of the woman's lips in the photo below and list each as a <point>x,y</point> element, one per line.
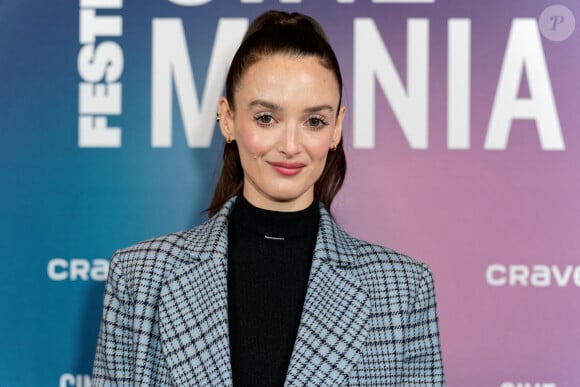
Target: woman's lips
<point>286,168</point>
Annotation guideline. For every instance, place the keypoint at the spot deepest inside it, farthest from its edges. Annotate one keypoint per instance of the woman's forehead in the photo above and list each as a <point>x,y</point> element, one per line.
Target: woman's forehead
<point>280,78</point>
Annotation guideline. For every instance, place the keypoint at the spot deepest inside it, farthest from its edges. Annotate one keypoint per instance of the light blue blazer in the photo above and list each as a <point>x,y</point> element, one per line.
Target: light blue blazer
<point>369,317</point>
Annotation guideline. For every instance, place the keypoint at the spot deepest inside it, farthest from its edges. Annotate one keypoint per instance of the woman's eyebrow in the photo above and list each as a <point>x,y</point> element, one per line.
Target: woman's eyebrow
<point>265,104</point>
<point>277,107</point>
<point>318,108</point>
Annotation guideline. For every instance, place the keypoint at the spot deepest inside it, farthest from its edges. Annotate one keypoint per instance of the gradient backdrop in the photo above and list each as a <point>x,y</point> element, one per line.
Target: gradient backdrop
<point>499,225</point>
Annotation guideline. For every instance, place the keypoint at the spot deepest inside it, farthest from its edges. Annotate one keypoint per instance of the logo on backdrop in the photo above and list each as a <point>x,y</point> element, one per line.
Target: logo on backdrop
<point>70,380</point>
<point>557,23</point>
<point>540,276</point>
<point>77,269</point>
<point>100,67</point>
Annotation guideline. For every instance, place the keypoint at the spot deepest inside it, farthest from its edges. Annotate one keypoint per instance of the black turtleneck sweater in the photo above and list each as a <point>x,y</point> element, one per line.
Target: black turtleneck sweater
<point>269,260</point>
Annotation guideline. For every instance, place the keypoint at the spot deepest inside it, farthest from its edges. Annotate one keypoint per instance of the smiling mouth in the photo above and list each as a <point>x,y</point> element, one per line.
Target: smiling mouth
<point>287,169</point>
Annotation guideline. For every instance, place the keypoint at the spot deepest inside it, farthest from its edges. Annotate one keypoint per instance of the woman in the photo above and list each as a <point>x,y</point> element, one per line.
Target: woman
<point>270,291</point>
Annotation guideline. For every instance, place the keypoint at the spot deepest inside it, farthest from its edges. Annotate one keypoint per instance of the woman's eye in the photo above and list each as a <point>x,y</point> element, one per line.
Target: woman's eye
<point>316,122</point>
<point>264,119</point>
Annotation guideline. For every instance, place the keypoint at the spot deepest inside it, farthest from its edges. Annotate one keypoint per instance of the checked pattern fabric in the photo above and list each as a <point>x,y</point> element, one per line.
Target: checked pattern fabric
<point>369,317</point>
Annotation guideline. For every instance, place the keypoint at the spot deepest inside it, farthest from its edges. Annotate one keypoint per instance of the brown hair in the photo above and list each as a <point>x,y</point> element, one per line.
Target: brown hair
<point>276,32</point>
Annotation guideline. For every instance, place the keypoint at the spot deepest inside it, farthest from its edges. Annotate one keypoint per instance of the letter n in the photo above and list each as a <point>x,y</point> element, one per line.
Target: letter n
<point>373,61</point>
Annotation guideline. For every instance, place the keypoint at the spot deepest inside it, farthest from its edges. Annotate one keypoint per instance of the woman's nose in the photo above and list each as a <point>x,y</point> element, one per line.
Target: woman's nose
<point>289,143</point>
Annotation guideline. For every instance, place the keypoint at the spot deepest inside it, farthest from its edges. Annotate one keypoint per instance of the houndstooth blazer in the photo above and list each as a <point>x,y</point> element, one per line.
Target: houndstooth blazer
<point>369,317</point>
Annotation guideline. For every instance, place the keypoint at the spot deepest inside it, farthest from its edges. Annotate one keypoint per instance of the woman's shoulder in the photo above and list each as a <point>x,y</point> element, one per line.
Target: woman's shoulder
<point>372,260</point>
<point>149,258</point>
<point>372,253</point>
<point>383,270</point>
<point>363,253</point>
<point>369,260</point>
<point>163,245</point>
<point>369,253</point>
<point>161,254</point>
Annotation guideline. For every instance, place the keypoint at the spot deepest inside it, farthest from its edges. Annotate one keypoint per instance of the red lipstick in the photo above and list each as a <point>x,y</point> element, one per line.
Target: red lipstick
<point>287,168</point>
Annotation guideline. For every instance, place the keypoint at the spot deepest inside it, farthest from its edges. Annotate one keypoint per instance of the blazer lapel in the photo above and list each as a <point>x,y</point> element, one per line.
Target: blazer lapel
<point>335,316</point>
<point>193,314</point>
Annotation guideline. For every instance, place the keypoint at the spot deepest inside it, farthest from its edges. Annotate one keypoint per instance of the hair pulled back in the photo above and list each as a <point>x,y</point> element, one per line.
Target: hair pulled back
<point>271,33</point>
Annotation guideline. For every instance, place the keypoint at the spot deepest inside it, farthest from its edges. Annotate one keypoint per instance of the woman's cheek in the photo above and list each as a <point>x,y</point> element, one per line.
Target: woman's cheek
<point>322,147</point>
<point>258,143</point>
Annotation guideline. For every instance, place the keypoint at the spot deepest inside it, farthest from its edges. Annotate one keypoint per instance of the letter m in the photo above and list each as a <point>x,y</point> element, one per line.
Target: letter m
<point>171,67</point>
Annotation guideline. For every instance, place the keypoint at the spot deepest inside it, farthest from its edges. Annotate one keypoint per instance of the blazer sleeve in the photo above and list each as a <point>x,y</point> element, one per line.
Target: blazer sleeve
<point>114,358</point>
<point>423,365</point>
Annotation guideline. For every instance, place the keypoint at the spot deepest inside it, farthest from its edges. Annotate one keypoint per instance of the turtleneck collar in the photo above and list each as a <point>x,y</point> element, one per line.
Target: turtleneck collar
<point>275,225</point>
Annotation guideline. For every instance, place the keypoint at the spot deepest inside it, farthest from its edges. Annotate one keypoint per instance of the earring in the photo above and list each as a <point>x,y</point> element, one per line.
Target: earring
<point>218,116</point>
<point>229,139</point>
<point>333,147</point>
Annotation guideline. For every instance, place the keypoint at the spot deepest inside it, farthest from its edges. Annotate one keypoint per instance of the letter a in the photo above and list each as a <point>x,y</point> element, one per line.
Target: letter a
<point>524,52</point>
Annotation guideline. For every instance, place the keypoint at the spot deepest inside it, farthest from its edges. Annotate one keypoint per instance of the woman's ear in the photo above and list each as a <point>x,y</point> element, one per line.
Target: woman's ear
<point>337,135</point>
<point>226,119</point>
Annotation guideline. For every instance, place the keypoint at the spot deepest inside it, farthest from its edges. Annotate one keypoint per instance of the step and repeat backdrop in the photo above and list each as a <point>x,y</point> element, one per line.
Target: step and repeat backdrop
<point>462,136</point>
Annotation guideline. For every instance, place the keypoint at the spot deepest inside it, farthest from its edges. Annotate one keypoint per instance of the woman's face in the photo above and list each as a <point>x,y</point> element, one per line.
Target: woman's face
<point>284,123</point>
